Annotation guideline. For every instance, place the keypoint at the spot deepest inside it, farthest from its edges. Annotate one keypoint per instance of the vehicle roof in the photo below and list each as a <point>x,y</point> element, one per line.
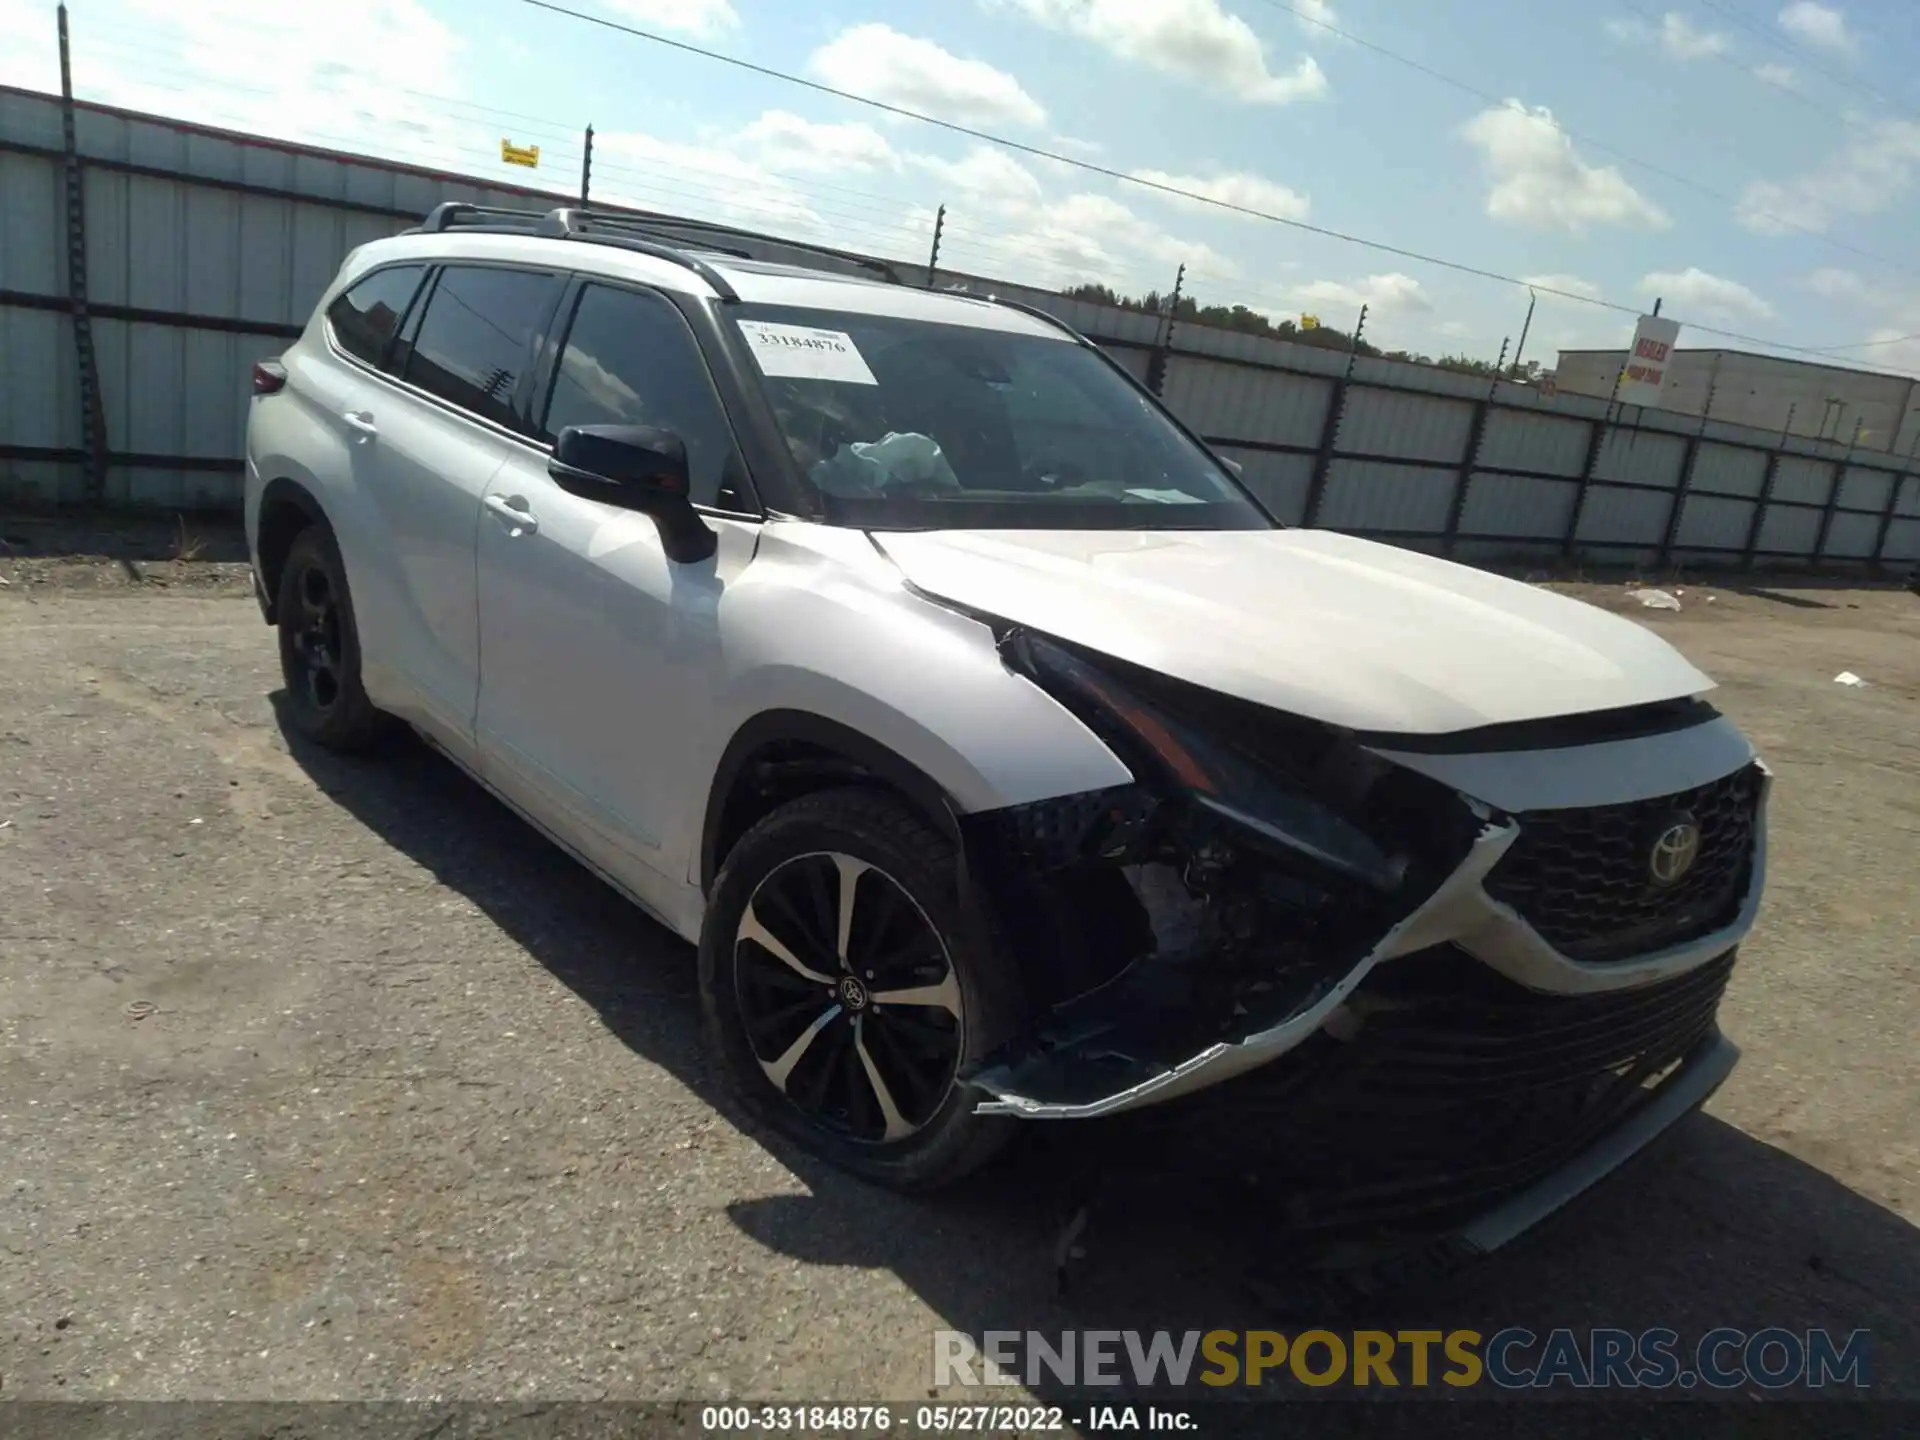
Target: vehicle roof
<point>756,282</point>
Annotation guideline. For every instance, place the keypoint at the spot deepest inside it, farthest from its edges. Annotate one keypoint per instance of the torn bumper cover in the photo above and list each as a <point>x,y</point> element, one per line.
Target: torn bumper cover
<point>1440,899</point>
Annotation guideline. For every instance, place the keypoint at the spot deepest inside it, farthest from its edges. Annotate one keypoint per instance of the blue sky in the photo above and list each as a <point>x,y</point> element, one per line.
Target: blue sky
<point>1754,162</point>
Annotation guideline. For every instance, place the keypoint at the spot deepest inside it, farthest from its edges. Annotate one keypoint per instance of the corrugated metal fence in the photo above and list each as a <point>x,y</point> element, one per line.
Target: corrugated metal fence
<point>206,250</point>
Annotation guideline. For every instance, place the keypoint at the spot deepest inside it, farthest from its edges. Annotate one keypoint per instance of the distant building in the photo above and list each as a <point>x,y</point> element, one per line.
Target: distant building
<point>1826,402</point>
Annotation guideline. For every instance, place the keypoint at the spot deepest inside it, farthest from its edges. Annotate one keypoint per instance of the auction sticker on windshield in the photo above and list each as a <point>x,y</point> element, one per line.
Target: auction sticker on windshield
<point>800,352</point>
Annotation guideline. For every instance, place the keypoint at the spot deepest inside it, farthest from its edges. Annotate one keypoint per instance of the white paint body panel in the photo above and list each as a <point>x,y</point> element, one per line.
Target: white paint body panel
<point>547,644</point>
<point>1312,622</point>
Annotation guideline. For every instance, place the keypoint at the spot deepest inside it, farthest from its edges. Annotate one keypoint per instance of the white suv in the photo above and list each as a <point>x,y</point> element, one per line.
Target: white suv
<point>1004,757</point>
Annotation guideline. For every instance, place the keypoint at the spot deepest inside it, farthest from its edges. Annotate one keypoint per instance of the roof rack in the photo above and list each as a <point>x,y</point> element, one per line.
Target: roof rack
<point>630,230</point>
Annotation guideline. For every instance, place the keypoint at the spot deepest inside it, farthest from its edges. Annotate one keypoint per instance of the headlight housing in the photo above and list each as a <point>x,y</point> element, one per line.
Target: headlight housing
<point>1293,801</point>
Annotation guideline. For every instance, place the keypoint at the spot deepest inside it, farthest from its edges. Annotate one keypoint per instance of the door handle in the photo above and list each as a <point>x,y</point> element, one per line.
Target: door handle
<point>361,420</point>
<point>513,512</point>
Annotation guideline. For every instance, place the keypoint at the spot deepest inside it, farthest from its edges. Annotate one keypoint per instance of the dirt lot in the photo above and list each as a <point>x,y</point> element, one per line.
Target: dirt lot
<point>329,1079</point>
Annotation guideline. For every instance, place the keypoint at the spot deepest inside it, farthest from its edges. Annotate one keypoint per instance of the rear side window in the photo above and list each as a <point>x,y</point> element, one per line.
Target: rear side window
<point>476,338</point>
<point>365,316</point>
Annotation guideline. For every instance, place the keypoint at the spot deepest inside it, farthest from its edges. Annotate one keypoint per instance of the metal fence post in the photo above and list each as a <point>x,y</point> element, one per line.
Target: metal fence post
<point>1163,352</point>
<point>1680,492</point>
<point>93,420</point>
<point>1750,551</point>
<point>1463,482</point>
<point>1840,468</point>
<point>1893,507</point>
<point>1330,429</point>
<point>1684,486</point>
<point>1596,438</point>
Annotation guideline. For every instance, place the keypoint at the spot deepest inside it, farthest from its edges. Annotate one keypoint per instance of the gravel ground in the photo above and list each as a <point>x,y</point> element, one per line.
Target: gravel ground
<point>331,1079</point>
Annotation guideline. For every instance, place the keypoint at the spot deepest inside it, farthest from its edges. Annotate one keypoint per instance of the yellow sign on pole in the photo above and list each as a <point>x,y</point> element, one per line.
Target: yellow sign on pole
<point>527,155</point>
<point>1309,322</point>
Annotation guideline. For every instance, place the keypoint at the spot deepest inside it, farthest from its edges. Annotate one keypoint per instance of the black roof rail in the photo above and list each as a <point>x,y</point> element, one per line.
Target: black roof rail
<point>654,221</point>
<point>449,213</point>
<point>633,230</point>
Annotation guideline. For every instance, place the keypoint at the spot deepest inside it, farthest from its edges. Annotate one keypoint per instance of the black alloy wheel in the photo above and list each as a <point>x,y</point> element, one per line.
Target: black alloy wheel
<point>852,980</point>
<point>848,997</point>
<point>317,637</point>
<point>320,647</point>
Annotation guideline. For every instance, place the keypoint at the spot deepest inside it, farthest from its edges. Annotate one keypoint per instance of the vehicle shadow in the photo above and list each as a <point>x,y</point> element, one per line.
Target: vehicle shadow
<point>1710,1228</point>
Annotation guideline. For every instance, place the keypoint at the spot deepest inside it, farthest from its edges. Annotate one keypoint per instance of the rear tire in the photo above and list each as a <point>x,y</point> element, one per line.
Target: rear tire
<point>844,1024</point>
<point>320,648</point>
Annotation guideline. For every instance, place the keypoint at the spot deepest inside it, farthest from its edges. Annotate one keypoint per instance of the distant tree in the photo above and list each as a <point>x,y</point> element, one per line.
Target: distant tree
<point>1224,317</point>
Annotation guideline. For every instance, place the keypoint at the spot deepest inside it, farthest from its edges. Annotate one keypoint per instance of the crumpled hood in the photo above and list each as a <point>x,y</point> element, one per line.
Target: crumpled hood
<point>1315,623</point>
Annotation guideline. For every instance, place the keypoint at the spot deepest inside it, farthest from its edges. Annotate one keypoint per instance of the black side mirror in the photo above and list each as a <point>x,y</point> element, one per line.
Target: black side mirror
<point>637,467</point>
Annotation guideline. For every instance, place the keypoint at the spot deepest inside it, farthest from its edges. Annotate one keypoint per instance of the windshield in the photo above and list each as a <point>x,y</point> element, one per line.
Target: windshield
<point>909,425</point>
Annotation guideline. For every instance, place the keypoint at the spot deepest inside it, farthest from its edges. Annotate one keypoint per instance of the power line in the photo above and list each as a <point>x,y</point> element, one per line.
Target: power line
<point>1804,56</point>
<point>1732,63</point>
<point>1041,152</point>
<point>1649,166</point>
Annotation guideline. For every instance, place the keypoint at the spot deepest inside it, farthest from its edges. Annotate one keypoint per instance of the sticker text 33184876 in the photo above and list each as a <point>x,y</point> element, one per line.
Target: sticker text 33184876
<point>801,352</point>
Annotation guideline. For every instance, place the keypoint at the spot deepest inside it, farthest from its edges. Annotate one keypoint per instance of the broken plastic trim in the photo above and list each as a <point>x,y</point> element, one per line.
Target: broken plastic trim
<point>1452,908</point>
<point>1213,774</point>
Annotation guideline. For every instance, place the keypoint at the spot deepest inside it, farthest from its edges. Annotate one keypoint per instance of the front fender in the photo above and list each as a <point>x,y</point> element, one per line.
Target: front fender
<point>821,624</point>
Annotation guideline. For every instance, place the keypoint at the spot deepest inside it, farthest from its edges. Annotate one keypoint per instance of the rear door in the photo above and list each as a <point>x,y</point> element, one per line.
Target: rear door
<point>435,438</point>
<point>312,431</point>
<point>601,654</point>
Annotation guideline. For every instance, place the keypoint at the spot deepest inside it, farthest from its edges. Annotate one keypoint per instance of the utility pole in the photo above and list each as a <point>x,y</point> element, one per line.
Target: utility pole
<point>586,169</point>
<point>1163,352</point>
<point>1500,365</point>
<point>933,255</point>
<point>93,417</point>
<point>1656,305</point>
<point>1525,326</point>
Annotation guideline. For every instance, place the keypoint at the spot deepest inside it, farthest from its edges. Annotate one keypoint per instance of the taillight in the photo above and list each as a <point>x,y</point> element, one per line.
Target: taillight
<point>269,376</point>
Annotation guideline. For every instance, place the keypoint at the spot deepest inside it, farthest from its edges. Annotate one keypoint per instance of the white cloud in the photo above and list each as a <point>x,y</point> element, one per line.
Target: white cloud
<point>1834,283</point>
<point>1341,299</point>
<point>1309,11</point>
<point>1694,294</point>
<point>1007,225</point>
<point>1782,76</point>
<point>988,177</point>
<point>1675,34</point>
<point>785,141</point>
<point>1821,25</point>
<point>1193,39</point>
<point>342,77</point>
<point>1565,285</point>
<point>1872,171</point>
<point>706,182</point>
<point>880,63</point>
<point>1539,181</point>
<point>1254,192</point>
<point>692,17</point>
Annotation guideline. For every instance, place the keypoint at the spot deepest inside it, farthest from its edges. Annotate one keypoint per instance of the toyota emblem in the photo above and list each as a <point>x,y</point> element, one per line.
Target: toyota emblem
<point>1674,852</point>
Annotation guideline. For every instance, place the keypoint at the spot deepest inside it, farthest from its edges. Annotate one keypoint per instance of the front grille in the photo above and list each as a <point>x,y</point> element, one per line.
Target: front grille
<point>1459,1088</point>
<point>1582,877</point>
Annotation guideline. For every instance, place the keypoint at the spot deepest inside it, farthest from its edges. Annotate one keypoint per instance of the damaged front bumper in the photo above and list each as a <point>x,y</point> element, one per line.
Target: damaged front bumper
<point>1108,1077</point>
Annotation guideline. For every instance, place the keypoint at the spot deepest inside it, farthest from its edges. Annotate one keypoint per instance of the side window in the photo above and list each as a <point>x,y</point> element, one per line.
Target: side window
<point>365,316</point>
<point>476,336</point>
<point>631,360</point>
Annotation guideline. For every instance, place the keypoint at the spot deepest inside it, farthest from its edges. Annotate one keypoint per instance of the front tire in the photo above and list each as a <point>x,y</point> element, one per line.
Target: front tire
<point>320,647</point>
<point>848,986</point>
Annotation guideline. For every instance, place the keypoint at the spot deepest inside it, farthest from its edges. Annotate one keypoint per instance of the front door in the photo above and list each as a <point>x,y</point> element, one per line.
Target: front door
<point>601,657</point>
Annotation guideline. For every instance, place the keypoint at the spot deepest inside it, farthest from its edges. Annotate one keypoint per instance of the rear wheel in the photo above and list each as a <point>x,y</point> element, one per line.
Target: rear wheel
<point>320,647</point>
<point>847,988</point>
